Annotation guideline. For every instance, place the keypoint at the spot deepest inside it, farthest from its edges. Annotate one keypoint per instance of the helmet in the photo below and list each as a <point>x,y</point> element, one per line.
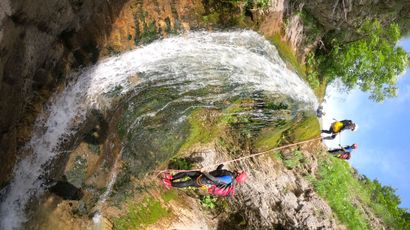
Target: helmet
<point>241,177</point>
<point>355,127</point>
<point>355,146</point>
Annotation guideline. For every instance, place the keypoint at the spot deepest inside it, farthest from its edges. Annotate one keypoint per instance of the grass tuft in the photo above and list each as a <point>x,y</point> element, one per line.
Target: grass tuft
<point>149,211</point>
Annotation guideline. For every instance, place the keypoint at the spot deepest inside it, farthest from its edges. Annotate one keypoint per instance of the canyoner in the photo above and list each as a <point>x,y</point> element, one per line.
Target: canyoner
<point>219,182</point>
<point>338,126</point>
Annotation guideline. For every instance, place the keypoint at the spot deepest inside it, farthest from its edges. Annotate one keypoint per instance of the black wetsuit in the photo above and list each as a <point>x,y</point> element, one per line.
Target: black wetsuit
<point>347,124</point>
<point>198,179</point>
<point>342,153</point>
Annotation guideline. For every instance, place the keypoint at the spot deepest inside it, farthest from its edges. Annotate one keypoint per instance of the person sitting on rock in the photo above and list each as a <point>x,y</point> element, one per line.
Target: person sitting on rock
<point>343,152</point>
<point>219,182</point>
<point>339,126</point>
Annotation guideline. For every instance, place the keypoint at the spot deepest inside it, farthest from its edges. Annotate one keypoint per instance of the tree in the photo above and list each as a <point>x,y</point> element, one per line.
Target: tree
<point>372,62</point>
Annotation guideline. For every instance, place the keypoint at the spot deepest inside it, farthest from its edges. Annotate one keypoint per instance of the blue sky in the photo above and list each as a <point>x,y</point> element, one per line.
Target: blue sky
<point>383,135</point>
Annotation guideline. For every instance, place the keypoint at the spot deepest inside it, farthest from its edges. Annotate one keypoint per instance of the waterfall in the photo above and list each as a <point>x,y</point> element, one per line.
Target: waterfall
<point>236,61</point>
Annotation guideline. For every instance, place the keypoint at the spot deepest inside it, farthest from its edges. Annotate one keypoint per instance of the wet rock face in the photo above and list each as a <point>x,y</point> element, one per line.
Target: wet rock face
<point>38,47</point>
<point>41,43</point>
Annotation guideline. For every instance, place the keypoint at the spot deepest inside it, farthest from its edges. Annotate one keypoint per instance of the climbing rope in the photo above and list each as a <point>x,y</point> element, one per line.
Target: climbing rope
<point>340,139</point>
<point>240,158</point>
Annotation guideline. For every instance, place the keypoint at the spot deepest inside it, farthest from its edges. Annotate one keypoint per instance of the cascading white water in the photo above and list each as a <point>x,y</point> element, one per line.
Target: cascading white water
<point>187,62</point>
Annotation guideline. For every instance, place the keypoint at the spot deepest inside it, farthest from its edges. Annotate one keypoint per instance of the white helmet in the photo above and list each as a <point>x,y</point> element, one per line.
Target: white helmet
<point>355,127</point>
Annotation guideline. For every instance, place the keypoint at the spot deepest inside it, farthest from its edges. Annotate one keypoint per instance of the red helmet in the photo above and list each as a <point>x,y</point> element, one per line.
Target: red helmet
<point>355,146</point>
<point>241,177</point>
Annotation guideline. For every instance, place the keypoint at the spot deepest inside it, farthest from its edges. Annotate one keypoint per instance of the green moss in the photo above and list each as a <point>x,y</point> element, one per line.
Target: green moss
<point>180,163</point>
<point>307,71</point>
<point>150,33</point>
<point>201,130</point>
<point>294,160</point>
<point>122,129</point>
<point>212,18</point>
<point>288,55</point>
<point>149,211</point>
<point>292,131</point>
<point>169,195</point>
<point>207,125</point>
<point>306,129</point>
<point>269,138</point>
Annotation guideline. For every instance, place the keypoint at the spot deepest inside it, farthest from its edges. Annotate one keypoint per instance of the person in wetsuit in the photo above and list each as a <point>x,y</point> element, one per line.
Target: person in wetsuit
<point>220,182</point>
<point>339,126</point>
<point>344,152</point>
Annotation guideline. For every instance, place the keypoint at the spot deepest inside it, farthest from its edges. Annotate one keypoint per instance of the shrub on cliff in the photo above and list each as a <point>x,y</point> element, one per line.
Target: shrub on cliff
<point>372,61</point>
<point>350,194</point>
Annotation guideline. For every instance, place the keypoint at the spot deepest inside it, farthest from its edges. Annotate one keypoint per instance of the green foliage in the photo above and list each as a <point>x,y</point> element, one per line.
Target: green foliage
<point>180,163</point>
<point>169,195</point>
<point>201,130</point>
<point>141,215</point>
<point>269,138</point>
<point>336,184</point>
<point>312,76</point>
<point>294,160</point>
<point>208,202</point>
<point>372,62</point>
<point>386,204</point>
<point>339,184</point>
<point>211,18</point>
<point>307,128</point>
<point>262,3</point>
<point>312,28</point>
<point>299,130</point>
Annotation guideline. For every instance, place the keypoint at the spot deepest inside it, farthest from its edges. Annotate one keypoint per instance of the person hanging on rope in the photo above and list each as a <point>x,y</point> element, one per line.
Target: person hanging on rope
<point>343,152</point>
<point>220,182</point>
<point>339,126</point>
